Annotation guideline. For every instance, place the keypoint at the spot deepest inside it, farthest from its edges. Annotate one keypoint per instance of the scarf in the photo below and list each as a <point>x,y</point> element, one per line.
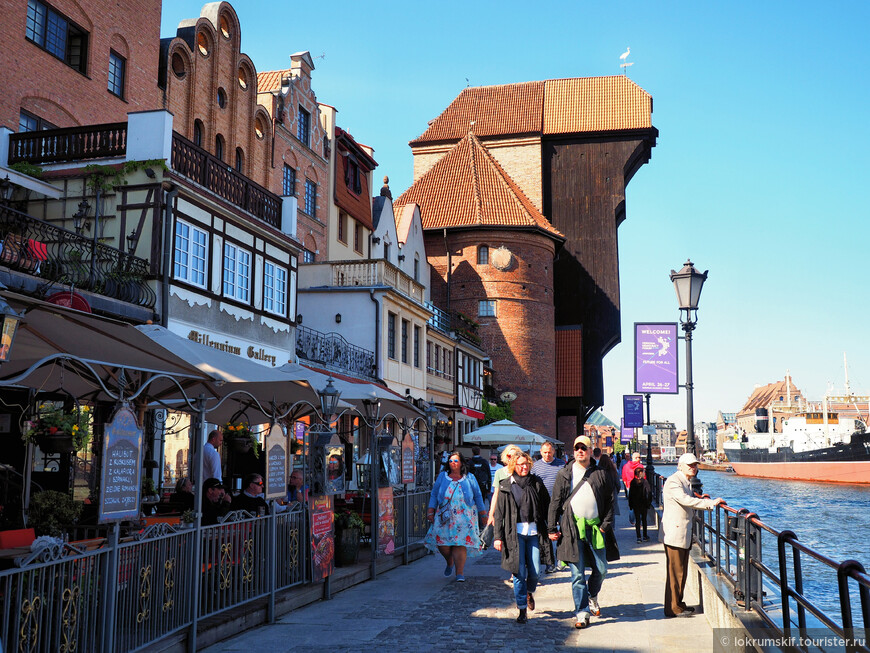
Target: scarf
<point>524,494</point>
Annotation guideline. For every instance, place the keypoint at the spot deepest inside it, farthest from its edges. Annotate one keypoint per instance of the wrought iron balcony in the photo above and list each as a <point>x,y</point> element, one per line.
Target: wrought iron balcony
<point>440,319</point>
<point>334,351</point>
<point>69,144</point>
<point>68,260</point>
<point>207,170</point>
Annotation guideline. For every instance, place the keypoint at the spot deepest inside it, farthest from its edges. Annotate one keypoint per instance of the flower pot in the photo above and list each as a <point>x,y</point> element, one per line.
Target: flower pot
<point>240,445</point>
<point>55,443</point>
<point>347,547</point>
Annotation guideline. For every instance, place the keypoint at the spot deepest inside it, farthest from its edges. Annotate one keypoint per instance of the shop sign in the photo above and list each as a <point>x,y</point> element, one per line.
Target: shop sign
<point>122,467</point>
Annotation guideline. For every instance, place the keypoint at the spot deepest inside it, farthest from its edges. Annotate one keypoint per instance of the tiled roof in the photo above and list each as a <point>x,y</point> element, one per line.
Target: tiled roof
<point>467,187</point>
<point>765,395</point>
<point>556,106</point>
<point>270,80</point>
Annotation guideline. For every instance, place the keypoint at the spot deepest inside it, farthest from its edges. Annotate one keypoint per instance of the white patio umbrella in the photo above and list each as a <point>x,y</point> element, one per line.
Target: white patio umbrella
<point>505,432</point>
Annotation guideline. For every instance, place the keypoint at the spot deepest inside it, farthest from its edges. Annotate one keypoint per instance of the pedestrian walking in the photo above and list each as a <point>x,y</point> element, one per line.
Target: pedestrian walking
<point>639,501</point>
<point>479,468</point>
<point>607,465</point>
<point>521,530</point>
<point>679,505</point>
<point>455,508</point>
<point>546,469</point>
<point>628,470</point>
<point>509,452</point>
<point>581,512</point>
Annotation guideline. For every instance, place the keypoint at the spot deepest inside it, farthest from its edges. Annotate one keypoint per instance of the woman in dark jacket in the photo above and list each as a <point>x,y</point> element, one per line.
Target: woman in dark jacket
<point>520,530</point>
<point>639,500</point>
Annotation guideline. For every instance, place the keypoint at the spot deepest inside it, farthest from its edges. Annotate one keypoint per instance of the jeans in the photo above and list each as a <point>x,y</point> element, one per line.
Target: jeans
<point>530,569</point>
<point>579,588</point>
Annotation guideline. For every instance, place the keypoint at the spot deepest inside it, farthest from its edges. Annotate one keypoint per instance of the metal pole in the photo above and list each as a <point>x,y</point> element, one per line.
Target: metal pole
<point>688,327</point>
<point>375,469</point>
<point>650,469</point>
<point>197,440</point>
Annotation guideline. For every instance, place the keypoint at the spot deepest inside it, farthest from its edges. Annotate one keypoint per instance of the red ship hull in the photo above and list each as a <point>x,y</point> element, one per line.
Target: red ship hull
<point>829,472</point>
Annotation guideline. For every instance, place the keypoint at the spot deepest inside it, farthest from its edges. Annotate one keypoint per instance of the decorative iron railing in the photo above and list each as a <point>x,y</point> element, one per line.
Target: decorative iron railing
<point>333,350</point>
<point>70,261</point>
<point>440,319</point>
<point>69,144</point>
<point>207,170</point>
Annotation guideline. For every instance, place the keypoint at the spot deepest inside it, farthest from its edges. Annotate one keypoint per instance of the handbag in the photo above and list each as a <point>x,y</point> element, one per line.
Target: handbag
<point>486,536</point>
<point>443,512</point>
<point>611,548</point>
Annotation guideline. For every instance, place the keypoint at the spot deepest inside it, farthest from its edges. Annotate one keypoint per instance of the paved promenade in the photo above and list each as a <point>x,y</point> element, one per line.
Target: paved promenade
<point>414,608</point>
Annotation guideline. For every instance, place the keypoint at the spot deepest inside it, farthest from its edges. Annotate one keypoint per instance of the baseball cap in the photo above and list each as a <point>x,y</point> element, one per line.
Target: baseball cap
<point>687,459</point>
<point>212,483</point>
<point>584,439</point>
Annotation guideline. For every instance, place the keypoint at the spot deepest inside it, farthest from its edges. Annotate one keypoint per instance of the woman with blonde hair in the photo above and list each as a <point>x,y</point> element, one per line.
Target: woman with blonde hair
<point>506,456</point>
<point>521,532</point>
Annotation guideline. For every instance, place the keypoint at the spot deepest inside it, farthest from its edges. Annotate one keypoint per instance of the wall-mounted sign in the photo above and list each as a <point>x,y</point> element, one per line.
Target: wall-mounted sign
<point>655,358</point>
<point>122,467</point>
<point>632,410</point>
<point>276,463</point>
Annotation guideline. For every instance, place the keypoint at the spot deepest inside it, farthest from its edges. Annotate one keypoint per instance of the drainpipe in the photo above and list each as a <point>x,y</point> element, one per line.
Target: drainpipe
<point>171,193</point>
<point>449,269</point>
<point>377,333</point>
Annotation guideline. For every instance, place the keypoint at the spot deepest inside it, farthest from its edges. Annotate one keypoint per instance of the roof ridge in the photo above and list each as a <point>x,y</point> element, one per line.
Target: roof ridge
<point>475,178</point>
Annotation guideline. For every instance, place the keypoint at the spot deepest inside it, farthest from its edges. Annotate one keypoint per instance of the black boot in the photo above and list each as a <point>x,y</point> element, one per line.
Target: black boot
<point>522,618</point>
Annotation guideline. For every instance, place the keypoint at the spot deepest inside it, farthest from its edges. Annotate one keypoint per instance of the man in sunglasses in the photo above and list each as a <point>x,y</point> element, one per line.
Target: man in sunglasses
<point>251,496</point>
<point>581,511</point>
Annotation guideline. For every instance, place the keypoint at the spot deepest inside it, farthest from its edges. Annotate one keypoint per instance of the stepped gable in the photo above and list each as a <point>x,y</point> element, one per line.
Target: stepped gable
<point>468,188</point>
<point>556,106</point>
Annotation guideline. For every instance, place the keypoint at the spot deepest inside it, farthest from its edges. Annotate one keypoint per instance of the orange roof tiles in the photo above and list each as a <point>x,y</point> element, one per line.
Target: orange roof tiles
<point>270,80</point>
<point>467,187</point>
<point>556,106</point>
<point>765,395</point>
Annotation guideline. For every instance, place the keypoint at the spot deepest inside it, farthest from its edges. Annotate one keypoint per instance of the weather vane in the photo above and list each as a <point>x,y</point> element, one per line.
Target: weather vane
<point>625,64</point>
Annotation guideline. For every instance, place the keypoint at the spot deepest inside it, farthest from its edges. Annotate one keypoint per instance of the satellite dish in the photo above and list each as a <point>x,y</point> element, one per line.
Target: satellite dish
<point>507,397</point>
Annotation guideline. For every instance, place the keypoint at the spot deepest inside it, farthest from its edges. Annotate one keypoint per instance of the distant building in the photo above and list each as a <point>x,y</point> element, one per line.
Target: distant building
<point>768,405</point>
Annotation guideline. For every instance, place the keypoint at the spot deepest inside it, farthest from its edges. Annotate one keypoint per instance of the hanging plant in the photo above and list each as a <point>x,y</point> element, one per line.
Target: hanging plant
<point>53,425</point>
<point>242,438</point>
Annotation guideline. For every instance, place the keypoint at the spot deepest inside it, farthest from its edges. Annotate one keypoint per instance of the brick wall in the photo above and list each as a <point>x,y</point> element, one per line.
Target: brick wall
<point>520,339</point>
<point>50,89</point>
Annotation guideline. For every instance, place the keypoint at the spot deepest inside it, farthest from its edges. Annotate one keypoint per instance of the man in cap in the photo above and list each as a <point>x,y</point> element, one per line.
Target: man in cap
<point>679,511</point>
<point>215,502</point>
<point>581,511</point>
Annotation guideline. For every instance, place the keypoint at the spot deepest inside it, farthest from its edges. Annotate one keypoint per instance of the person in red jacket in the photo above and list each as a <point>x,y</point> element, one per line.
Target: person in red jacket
<point>628,470</point>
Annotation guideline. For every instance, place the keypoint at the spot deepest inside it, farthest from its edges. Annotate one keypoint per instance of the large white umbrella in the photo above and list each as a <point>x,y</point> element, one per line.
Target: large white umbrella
<point>505,432</point>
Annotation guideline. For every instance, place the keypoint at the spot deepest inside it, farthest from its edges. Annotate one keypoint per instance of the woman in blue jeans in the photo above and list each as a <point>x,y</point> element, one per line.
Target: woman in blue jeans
<point>520,530</point>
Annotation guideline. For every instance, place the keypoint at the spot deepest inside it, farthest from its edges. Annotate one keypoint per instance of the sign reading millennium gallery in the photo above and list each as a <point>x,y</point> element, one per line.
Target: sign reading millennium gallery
<point>655,358</point>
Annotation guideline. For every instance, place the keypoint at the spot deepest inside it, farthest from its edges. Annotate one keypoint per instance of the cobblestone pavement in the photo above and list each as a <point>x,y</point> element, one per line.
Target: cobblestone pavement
<point>414,608</point>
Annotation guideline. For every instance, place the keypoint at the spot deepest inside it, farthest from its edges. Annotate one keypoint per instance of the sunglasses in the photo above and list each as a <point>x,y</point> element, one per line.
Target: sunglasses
<point>454,460</point>
<point>580,447</point>
<point>258,482</point>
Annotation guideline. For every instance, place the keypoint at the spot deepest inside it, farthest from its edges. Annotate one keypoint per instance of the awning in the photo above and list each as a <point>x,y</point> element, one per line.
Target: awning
<point>505,432</point>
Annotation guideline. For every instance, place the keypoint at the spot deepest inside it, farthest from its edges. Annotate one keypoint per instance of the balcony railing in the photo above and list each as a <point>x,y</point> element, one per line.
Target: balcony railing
<point>333,350</point>
<point>69,144</point>
<point>69,260</point>
<point>440,319</point>
<point>195,163</point>
<point>375,273</point>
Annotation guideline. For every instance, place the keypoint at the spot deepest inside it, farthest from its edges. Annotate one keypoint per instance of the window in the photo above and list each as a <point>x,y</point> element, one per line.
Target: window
<point>437,361</point>
<point>310,197</point>
<point>190,253</point>
<point>222,98</point>
<point>357,237</point>
<point>342,227</point>
<point>240,160</point>
<point>274,289</point>
<point>197,132</point>
<point>391,335</point>
<point>55,34</point>
<point>303,127</point>
<point>404,341</point>
<point>307,256</point>
<point>386,251</point>
<point>288,183</point>
<point>483,255</point>
<point>352,177</point>
<point>117,68</point>
<point>237,273</point>
<point>486,308</point>
<point>447,370</point>
<point>219,147</point>
<point>27,122</point>
<point>416,346</point>
<point>416,267</point>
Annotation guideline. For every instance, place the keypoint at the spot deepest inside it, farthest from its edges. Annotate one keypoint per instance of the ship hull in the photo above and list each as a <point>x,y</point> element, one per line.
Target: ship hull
<point>844,463</point>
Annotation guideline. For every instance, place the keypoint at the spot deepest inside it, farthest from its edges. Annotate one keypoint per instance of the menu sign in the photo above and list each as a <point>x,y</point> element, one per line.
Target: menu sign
<point>276,463</point>
<point>122,468</point>
<point>322,540</point>
<point>408,467</point>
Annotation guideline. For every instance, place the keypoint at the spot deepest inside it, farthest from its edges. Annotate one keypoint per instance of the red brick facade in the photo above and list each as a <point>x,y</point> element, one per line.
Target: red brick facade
<point>53,91</point>
<point>520,339</point>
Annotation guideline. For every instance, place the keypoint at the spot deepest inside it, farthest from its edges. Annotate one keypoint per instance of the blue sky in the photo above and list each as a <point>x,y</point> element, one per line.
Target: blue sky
<point>762,109</point>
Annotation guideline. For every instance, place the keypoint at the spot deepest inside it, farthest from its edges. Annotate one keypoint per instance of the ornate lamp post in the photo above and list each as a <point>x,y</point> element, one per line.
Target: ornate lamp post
<point>688,283</point>
<point>9,321</point>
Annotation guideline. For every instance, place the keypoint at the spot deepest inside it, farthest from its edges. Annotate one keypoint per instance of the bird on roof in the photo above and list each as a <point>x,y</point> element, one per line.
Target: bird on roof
<point>624,55</point>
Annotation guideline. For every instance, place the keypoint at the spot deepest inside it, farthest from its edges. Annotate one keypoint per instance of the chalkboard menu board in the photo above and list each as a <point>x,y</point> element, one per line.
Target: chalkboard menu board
<point>408,465</point>
<point>276,463</point>
<point>122,467</point>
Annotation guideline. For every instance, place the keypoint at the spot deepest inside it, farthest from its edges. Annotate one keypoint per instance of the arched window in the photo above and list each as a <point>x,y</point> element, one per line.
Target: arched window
<point>197,132</point>
<point>416,267</point>
<point>240,160</point>
<point>483,255</point>
<point>219,147</point>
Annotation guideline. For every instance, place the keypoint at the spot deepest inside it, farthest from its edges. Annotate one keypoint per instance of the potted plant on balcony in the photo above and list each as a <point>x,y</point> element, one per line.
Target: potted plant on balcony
<point>56,430</point>
<point>348,530</point>
<point>53,513</point>
<point>241,438</point>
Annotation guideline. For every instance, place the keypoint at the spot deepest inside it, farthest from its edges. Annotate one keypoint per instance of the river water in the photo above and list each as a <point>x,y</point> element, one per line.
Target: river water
<point>830,518</point>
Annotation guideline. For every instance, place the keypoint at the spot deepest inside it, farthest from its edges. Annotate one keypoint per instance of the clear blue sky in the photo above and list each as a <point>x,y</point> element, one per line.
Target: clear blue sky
<point>763,110</point>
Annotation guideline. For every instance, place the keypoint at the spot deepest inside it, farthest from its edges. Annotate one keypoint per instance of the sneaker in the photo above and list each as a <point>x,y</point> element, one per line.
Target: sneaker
<point>593,606</point>
<point>550,569</point>
<point>460,578</point>
<point>448,570</point>
<point>582,620</point>
<point>639,540</point>
<point>646,538</point>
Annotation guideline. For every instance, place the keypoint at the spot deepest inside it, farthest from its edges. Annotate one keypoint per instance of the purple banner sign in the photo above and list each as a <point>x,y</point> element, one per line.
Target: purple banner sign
<point>632,409</point>
<point>626,434</point>
<point>655,358</point>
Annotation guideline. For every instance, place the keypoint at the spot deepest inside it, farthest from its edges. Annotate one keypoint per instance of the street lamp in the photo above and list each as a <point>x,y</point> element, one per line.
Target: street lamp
<point>9,321</point>
<point>688,283</point>
<point>328,400</point>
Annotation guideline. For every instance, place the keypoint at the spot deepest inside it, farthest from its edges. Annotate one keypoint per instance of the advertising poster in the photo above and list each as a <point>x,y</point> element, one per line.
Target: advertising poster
<point>322,536</point>
<point>632,411</point>
<point>122,468</point>
<point>386,521</point>
<point>655,358</point>
<point>626,434</point>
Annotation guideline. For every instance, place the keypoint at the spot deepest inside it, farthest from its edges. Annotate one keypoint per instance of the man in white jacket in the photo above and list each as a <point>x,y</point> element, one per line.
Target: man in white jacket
<point>679,510</point>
